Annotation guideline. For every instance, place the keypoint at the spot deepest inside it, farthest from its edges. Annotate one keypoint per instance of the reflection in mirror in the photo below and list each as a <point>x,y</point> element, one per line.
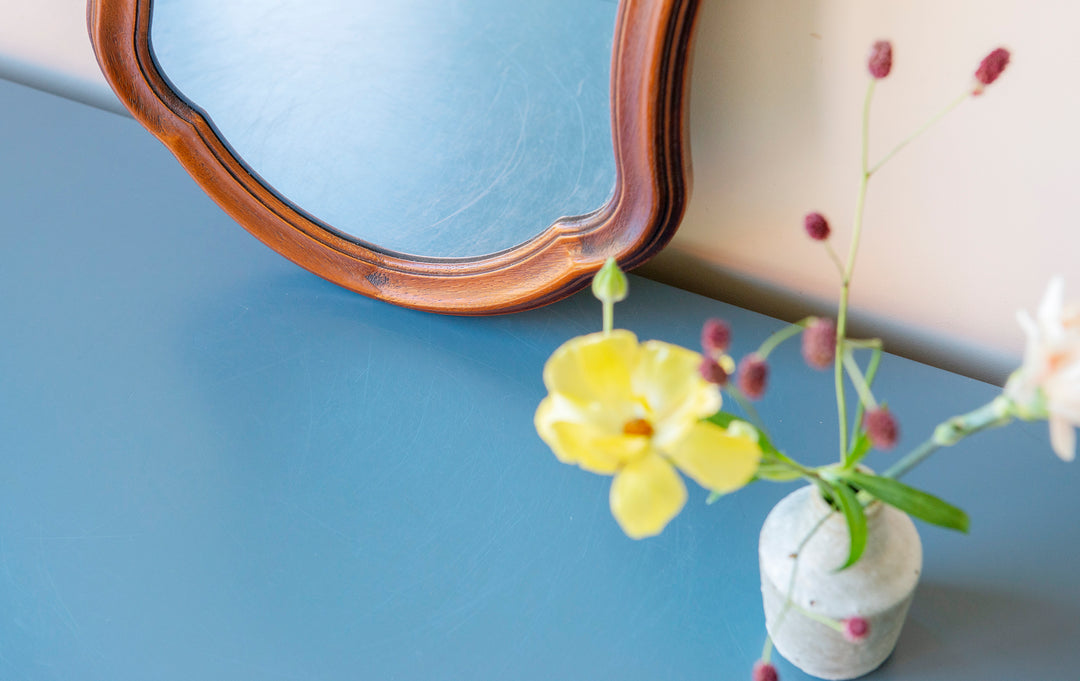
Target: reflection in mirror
<point>433,128</point>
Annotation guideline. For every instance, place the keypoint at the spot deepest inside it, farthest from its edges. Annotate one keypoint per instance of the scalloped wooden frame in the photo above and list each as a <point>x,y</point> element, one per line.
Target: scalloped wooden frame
<point>649,77</point>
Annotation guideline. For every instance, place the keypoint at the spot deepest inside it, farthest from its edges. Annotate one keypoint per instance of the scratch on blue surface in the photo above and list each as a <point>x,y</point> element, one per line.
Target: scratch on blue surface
<point>345,538</point>
<point>512,161</point>
<point>424,410</point>
<point>365,387</point>
<point>581,124</point>
<point>61,605</point>
<point>267,366</point>
<point>736,639</point>
<point>264,671</point>
<point>81,537</point>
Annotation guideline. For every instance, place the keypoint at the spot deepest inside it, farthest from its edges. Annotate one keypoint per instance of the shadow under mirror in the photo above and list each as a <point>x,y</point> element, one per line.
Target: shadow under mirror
<point>421,127</point>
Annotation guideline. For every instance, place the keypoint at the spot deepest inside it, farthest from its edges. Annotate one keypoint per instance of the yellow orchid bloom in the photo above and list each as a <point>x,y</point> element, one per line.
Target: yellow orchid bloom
<point>633,410</point>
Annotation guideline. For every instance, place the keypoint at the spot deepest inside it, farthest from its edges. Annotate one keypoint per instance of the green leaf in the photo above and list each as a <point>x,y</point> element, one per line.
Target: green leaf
<point>775,472</point>
<point>859,449</point>
<point>856,521</point>
<point>724,419</point>
<point>910,500</point>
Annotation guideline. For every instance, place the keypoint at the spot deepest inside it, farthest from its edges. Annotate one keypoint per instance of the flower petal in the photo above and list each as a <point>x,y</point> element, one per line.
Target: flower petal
<point>667,379</point>
<point>1062,438</point>
<point>1052,304</point>
<point>593,368</point>
<point>584,443</point>
<point>646,495</point>
<point>716,459</point>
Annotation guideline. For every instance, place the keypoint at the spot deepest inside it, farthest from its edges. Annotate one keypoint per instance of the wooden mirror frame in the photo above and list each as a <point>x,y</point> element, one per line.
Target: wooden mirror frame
<point>649,77</point>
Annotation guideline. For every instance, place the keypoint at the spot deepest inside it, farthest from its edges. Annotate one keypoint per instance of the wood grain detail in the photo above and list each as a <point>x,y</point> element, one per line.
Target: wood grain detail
<point>650,73</point>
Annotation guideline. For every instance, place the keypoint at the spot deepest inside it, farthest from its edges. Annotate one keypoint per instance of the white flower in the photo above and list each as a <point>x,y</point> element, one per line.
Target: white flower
<point>1047,385</point>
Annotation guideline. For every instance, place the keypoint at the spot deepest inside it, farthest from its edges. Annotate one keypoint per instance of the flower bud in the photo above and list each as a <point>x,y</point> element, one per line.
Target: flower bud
<point>743,429</point>
<point>712,372</point>
<point>880,60</point>
<point>990,68</point>
<point>816,226</point>
<point>715,337</point>
<point>882,428</point>
<point>819,343</point>
<point>609,284</point>
<point>856,629</point>
<point>763,671</point>
<point>753,376</point>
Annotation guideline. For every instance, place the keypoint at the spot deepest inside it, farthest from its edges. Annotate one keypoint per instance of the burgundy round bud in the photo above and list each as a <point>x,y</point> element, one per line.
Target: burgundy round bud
<point>715,336</point>
<point>763,671</point>
<point>816,226</point>
<point>819,343</point>
<point>753,376</point>
<point>882,428</point>
<point>856,629</point>
<point>991,67</point>
<point>712,372</point>
<point>880,60</point>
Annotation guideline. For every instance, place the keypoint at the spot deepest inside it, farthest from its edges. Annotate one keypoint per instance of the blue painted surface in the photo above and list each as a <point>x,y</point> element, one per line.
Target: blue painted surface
<point>215,465</point>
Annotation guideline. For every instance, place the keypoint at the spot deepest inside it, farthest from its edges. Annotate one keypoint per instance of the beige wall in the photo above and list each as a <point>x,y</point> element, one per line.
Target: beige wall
<point>963,228</point>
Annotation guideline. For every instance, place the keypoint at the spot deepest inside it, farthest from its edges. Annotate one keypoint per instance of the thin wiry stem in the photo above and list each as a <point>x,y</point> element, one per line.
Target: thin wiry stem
<point>926,126</point>
<point>845,288</point>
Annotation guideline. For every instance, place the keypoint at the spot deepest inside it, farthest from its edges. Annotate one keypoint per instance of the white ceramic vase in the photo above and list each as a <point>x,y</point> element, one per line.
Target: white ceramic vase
<point>879,587</point>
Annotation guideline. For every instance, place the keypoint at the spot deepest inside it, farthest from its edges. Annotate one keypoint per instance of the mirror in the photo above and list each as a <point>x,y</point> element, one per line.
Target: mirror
<point>487,120</point>
<point>471,157</point>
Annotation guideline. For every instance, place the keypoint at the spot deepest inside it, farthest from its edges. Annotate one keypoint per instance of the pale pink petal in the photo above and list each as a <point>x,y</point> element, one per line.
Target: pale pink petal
<point>1062,438</point>
<point>1053,301</point>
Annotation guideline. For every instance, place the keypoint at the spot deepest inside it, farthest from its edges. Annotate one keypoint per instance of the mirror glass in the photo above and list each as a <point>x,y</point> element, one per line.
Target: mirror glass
<point>431,128</point>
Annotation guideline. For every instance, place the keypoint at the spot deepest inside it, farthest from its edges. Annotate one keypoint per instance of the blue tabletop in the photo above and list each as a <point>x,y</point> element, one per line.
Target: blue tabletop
<point>215,465</point>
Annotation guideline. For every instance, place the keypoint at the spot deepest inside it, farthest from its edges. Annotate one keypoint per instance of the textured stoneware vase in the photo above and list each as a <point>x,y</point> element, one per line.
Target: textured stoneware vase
<point>879,587</point>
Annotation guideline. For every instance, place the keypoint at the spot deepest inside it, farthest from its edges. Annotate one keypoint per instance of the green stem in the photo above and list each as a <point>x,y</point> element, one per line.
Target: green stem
<point>795,569</point>
<point>766,651</point>
<point>991,415</point>
<point>748,408</point>
<point>871,372</point>
<point>773,341</point>
<point>845,288</point>
<point>926,126</point>
<point>835,258</point>
<point>866,398</point>
<point>810,474</point>
<point>609,315</point>
<point>865,344</point>
<point>912,459</point>
<point>823,619</point>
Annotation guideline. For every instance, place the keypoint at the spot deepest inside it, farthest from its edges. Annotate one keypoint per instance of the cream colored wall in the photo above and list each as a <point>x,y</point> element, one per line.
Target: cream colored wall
<point>44,44</point>
<point>962,229</point>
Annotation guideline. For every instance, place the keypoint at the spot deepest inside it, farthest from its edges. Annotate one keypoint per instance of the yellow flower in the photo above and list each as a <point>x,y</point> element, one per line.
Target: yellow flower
<point>617,407</point>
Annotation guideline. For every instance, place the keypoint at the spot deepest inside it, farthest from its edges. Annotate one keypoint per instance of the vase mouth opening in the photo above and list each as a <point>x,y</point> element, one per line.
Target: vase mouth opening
<point>829,505</point>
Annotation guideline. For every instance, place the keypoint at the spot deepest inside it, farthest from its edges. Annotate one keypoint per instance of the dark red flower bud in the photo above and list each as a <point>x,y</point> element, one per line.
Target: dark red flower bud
<point>882,428</point>
<point>763,671</point>
<point>819,343</point>
<point>856,629</point>
<point>753,376</point>
<point>816,226</point>
<point>880,61</point>
<point>712,372</point>
<point>991,66</point>
<point>715,336</point>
